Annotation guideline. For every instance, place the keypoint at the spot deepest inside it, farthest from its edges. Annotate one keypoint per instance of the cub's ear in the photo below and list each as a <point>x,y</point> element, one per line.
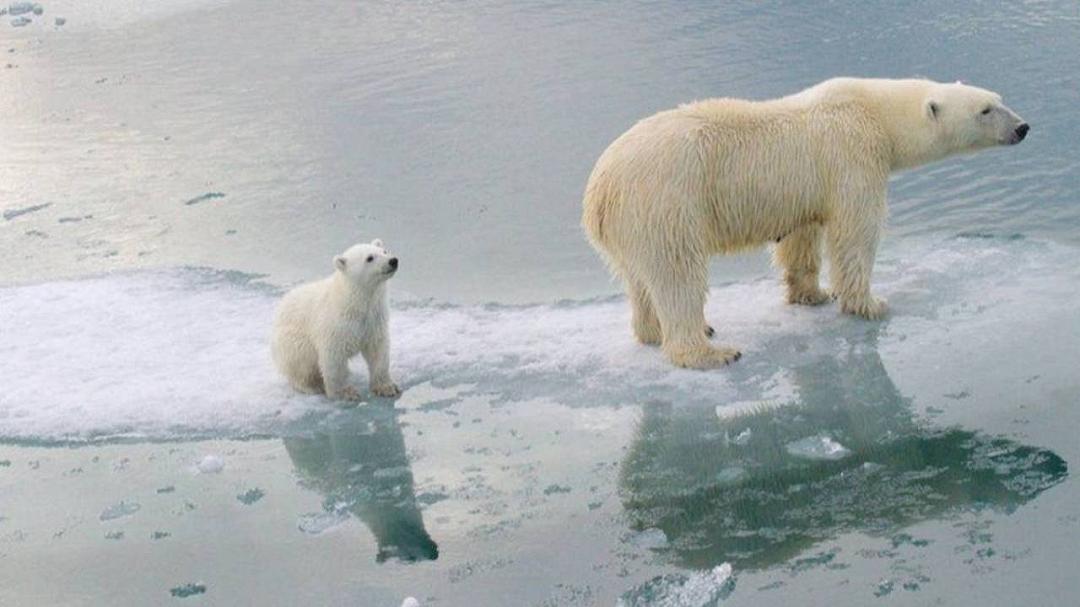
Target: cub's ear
<point>377,243</point>
<point>932,109</point>
<point>339,263</point>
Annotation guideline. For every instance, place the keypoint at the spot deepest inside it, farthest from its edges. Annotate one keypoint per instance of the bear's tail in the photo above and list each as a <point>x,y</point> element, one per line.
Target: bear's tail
<point>597,208</point>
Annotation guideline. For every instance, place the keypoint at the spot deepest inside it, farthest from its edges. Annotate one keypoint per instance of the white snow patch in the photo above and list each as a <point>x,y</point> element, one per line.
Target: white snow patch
<point>211,464</point>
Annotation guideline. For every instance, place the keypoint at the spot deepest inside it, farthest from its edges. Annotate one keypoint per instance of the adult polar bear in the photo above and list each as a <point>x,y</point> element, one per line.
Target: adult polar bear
<point>721,175</point>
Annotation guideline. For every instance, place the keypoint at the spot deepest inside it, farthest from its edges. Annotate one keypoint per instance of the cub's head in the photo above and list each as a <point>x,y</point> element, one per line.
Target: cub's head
<point>366,264</point>
<point>965,118</point>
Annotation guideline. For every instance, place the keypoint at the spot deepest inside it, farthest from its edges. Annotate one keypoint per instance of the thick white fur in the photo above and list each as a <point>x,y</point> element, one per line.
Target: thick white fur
<point>721,175</point>
<point>321,325</point>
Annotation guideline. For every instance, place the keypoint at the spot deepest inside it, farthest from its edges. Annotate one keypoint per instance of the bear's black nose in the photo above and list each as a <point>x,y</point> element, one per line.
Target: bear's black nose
<point>1022,130</point>
<point>393,262</point>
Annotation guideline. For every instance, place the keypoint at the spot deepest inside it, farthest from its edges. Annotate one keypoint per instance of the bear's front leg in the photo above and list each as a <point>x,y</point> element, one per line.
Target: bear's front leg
<point>334,367</point>
<point>853,239</point>
<point>377,356</point>
<point>799,255</point>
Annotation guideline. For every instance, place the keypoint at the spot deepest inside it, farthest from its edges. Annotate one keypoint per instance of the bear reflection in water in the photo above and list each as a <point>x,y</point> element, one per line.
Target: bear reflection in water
<point>360,466</point>
<point>744,489</point>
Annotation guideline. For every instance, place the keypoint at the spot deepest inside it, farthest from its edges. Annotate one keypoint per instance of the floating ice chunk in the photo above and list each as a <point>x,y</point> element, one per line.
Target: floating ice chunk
<point>651,539</point>
<point>743,437</point>
<point>189,589</point>
<point>730,474</point>
<point>410,602</point>
<point>38,9</point>
<point>705,589</point>
<point>119,510</point>
<point>60,21</point>
<point>818,447</point>
<point>20,21</point>
<point>211,464</point>
<point>316,523</point>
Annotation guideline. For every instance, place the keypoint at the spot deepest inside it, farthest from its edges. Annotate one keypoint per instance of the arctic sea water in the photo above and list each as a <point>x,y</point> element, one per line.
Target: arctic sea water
<point>169,168</point>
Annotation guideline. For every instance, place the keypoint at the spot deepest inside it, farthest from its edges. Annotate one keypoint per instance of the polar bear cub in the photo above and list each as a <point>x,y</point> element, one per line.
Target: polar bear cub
<point>321,325</point>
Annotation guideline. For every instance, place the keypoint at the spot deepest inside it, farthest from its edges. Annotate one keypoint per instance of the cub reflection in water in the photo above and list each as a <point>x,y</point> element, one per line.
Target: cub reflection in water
<point>360,466</point>
<point>751,489</point>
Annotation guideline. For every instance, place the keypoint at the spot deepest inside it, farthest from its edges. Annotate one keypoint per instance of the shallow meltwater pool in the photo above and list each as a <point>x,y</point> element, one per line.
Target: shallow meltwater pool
<point>169,170</point>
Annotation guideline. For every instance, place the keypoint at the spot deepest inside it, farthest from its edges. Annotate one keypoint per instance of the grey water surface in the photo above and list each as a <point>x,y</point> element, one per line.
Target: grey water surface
<point>168,168</point>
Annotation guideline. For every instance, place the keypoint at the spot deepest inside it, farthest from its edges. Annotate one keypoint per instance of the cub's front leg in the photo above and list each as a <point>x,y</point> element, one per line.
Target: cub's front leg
<point>334,368</point>
<point>377,356</point>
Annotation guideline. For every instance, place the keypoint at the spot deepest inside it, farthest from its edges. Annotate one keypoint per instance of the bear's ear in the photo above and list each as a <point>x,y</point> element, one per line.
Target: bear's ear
<point>340,263</point>
<point>932,109</point>
<point>377,243</point>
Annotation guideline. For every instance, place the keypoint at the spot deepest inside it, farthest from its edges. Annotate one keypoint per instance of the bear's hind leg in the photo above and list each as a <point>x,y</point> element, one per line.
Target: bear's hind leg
<point>799,255</point>
<point>678,295</point>
<point>644,321</point>
<point>311,383</point>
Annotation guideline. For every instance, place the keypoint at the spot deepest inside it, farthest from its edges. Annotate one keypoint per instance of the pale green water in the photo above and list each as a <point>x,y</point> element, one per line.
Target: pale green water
<point>538,456</point>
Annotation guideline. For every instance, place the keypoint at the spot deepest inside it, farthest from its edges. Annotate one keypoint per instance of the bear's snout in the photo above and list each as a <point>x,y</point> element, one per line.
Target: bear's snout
<point>393,260</point>
<point>1021,132</point>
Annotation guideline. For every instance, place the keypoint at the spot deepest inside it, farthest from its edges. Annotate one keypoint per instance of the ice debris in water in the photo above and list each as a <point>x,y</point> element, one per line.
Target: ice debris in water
<point>743,437</point>
<point>703,589</point>
<point>314,524</point>
<point>211,464</point>
<point>20,21</point>
<point>118,510</point>
<point>651,538</point>
<point>818,447</point>
<point>60,21</point>
<point>21,8</point>
<point>189,589</point>
<point>410,602</point>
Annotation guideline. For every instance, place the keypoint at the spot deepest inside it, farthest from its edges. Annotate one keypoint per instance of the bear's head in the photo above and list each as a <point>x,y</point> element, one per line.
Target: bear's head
<point>366,264</point>
<point>962,119</point>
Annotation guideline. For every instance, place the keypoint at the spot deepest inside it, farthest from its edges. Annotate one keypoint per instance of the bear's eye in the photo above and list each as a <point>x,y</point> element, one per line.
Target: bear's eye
<point>370,258</point>
<point>985,111</point>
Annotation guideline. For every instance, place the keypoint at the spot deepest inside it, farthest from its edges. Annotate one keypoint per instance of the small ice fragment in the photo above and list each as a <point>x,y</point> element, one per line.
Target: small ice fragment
<point>410,602</point>
<point>38,9</point>
<point>651,539</point>
<point>314,524</point>
<point>704,589</point>
<point>743,437</point>
<point>730,474</point>
<point>118,510</point>
<point>211,464</point>
<point>818,447</point>
<point>189,589</point>
<point>251,496</point>
<point>20,21</point>
<point>60,21</point>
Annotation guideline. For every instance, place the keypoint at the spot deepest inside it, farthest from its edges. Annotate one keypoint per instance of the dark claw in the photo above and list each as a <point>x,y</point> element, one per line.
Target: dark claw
<point>709,331</point>
<point>738,355</point>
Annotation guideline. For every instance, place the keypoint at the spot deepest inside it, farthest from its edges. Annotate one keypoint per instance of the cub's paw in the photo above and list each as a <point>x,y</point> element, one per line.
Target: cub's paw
<point>870,308</point>
<point>702,357</point>
<point>386,390</point>
<point>347,393</point>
